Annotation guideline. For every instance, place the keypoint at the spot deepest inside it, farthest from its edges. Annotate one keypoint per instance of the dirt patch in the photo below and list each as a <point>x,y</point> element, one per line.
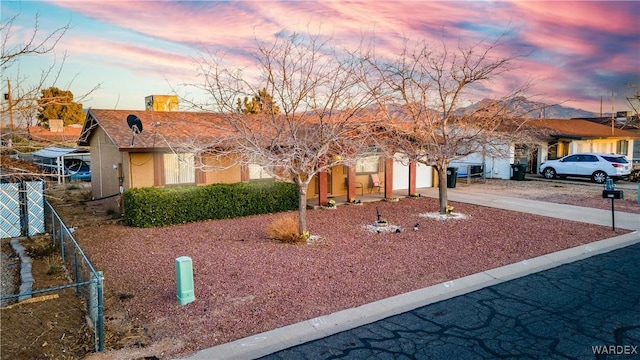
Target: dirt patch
<point>52,324</point>
<point>74,204</point>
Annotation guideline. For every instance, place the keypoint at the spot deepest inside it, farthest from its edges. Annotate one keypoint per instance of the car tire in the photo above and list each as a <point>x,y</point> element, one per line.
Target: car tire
<point>549,173</point>
<point>599,177</point>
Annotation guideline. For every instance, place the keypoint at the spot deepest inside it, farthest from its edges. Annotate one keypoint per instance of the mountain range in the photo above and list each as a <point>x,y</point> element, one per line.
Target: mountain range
<point>532,109</point>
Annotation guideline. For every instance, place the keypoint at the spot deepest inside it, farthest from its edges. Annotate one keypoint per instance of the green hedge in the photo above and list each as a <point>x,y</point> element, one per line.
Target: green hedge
<point>152,207</point>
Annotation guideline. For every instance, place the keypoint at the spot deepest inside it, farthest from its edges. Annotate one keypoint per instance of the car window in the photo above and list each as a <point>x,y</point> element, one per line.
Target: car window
<point>616,159</point>
<point>589,158</point>
<point>572,158</point>
<point>76,165</point>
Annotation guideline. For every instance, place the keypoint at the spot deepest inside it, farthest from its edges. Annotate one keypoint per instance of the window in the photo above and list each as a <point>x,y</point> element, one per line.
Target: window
<point>588,158</point>
<point>179,169</point>
<point>558,150</point>
<point>368,164</point>
<point>257,172</point>
<point>616,159</point>
<point>572,158</point>
<point>622,147</point>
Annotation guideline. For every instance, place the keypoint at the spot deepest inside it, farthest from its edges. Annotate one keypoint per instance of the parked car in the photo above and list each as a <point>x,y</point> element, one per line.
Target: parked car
<point>77,170</point>
<point>595,166</point>
<point>74,169</point>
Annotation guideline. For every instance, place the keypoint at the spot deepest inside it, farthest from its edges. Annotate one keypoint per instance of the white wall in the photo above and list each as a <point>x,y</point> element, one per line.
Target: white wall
<point>424,174</point>
<point>495,167</point>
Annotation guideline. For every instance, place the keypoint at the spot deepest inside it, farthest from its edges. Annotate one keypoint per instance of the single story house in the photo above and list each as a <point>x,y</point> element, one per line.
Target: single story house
<point>122,158</point>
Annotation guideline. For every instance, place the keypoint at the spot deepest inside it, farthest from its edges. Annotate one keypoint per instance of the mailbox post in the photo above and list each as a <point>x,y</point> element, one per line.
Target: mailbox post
<point>613,195</point>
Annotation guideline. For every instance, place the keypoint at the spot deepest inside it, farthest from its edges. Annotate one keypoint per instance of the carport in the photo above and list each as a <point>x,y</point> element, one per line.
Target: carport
<point>52,159</point>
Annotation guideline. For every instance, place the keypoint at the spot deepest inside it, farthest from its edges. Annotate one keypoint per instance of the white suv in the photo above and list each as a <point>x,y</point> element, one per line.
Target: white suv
<point>596,166</point>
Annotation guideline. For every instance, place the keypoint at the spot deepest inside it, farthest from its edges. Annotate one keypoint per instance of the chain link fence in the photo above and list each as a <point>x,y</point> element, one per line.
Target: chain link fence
<point>58,312</point>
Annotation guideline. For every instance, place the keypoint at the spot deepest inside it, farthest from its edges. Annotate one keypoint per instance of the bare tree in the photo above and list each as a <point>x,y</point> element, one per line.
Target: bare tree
<point>422,93</point>
<point>633,99</point>
<point>321,105</point>
<point>24,89</point>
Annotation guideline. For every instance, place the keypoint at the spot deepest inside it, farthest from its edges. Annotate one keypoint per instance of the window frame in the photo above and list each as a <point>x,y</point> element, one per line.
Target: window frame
<point>369,164</point>
<point>185,175</point>
<point>264,175</point>
<point>622,145</point>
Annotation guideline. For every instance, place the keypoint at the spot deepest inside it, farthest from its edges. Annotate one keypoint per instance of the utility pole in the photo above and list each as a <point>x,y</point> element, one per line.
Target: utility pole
<point>7,97</point>
<point>613,119</point>
<point>600,105</point>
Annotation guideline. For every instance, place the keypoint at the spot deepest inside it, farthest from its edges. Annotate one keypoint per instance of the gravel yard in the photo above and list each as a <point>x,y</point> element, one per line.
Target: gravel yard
<point>246,284</point>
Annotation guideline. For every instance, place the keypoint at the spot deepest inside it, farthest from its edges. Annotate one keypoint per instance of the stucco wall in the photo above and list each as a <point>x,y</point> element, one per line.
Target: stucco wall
<point>140,166</point>
<point>104,156</point>
<point>232,174</point>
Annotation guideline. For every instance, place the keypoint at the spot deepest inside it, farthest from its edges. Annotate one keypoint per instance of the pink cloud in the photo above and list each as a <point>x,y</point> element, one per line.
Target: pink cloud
<point>569,37</point>
<point>600,15</point>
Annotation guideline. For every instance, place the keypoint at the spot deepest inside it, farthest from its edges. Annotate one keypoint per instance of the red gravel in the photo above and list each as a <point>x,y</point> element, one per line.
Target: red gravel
<point>246,284</point>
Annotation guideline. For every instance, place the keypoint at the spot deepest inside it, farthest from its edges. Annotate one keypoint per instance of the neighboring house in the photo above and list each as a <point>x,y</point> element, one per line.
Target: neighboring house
<point>56,134</point>
<point>575,136</point>
<point>562,137</point>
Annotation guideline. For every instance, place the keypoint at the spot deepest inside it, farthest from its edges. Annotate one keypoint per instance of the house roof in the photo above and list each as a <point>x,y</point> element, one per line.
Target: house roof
<point>53,152</point>
<point>160,129</point>
<point>169,129</point>
<point>579,129</point>
<point>68,134</point>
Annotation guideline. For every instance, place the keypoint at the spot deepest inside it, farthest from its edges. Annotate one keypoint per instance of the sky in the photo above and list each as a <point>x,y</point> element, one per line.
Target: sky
<point>582,54</point>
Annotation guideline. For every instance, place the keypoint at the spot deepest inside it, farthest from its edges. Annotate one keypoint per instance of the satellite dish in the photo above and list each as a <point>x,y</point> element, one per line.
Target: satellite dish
<point>135,125</point>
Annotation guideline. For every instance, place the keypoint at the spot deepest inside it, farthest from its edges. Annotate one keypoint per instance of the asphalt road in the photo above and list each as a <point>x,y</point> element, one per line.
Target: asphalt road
<point>588,309</point>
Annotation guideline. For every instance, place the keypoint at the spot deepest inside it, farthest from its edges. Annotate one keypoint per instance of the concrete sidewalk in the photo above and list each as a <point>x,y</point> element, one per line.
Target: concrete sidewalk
<point>623,220</point>
<point>282,338</point>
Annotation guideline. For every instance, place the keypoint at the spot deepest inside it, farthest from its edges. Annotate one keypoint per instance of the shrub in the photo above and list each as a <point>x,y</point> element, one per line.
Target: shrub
<point>53,265</point>
<point>285,229</point>
<point>150,207</point>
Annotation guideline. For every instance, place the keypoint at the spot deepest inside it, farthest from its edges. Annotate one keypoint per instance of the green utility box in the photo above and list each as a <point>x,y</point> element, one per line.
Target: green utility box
<point>184,280</point>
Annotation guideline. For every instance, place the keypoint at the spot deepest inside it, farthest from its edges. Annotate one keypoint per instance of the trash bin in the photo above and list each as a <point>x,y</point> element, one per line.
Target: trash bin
<point>517,171</point>
<point>452,175</point>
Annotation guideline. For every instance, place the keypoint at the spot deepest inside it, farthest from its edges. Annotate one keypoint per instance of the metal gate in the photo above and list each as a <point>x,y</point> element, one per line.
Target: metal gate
<point>21,209</point>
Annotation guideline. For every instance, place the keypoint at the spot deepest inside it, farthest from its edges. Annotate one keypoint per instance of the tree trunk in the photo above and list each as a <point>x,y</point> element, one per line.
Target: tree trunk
<point>302,208</point>
<point>442,187</point>
<point>302,202</point>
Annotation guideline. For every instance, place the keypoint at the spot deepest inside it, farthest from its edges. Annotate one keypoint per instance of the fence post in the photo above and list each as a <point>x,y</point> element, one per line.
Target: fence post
<point>100,322</point>
<point>53,223</point>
